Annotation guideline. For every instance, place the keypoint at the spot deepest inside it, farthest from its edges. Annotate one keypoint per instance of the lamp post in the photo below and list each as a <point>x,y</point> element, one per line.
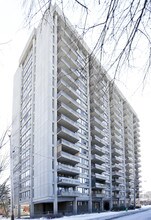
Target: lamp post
<point>11,177</point>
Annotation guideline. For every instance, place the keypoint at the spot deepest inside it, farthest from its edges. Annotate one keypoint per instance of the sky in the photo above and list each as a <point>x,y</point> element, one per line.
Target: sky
<point>13,37</point>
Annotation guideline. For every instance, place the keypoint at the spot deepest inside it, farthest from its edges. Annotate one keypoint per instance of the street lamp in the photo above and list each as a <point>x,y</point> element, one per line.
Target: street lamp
<point>11,177</point>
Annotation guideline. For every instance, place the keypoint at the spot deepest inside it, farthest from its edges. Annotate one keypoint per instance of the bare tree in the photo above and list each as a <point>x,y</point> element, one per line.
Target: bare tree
<point>121,29</point>
<point>4,177</point>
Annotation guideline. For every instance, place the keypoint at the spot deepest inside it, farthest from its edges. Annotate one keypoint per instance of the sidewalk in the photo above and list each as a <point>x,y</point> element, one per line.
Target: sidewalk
<point>104,215</point>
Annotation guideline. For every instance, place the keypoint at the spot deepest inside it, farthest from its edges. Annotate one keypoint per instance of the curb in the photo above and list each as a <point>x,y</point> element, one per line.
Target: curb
<point>125,214</point>
<point>119,215</point>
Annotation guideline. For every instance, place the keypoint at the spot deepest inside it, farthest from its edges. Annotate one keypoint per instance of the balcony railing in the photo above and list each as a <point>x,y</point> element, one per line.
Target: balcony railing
<point>99,159</point>
<point>115,188</point>
<point>98,123</point>
<point>67,78</point>
<point>116,123</point>
<point>65,181</point>
<point>65,109</point>
<point>117,159</point>
<point>117,166</point>
<point>67,158</point>
<point>98,195</point>
<point>68,146</point>
<point>62,85</point>
<point>66,99</point>
<point>67,58</point>
<point>99,186</point>
<point>98,150</point>
<point>117,152</point>
<point>99,132</point>
<point>100,176</point>
<point>96,104</point>
<point>117,144</point>
<point>98,168</point>
<point>67,134</point>
<point>98,141</point>
<point>67,122</point>
<point>67,193</point>
<point>67,169</point>
<point>66,46</point>
<point>117,174</point>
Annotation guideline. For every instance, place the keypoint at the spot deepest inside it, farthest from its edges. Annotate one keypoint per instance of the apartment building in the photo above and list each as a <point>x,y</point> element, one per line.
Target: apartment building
<point>73,137</point>
<point>117,148</point>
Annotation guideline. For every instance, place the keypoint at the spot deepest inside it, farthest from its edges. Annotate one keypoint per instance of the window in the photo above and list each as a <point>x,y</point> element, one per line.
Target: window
<point>53,139</point>
<point>53,127</point>
<point>53,92</point>
<point>53,103</point>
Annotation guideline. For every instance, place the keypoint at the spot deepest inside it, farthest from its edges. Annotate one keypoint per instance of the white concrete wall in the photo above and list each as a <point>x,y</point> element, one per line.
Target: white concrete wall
<point>43,176</point>
<point>15,136</point>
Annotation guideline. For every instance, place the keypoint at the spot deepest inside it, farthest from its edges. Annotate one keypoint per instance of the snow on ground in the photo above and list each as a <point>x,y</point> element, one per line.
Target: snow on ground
<point>98,215</point>
<point>89,216</point>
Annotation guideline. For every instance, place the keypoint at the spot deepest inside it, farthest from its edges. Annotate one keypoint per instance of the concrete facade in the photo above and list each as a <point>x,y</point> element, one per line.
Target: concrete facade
<point>74,136</point>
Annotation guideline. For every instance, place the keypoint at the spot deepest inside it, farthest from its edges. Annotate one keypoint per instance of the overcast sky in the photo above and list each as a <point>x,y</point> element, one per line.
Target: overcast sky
<point>13,37</point>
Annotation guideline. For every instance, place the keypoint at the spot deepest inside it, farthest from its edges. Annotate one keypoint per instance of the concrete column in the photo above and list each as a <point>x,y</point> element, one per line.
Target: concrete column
<point>18,210</point>
<point>101,205</point>
<point>55,207</point>
<point>90,205</point>
<point>31,210</point>
<point>75,206</point>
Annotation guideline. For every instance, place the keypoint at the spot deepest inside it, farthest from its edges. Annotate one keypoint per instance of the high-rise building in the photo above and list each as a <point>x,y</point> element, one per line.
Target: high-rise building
<point>75,139</point>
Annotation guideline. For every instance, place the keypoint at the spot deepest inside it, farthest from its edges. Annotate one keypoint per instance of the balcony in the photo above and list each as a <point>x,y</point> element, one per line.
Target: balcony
<point>65,181</point>
<point>98,168</point>
<point>97,122</point>
<point>64,157</point>
<point>116,137</point>
<point>98,141</point>
<point>100,176</point>
<point>118,180</point>
<point>98,150</point>
<point>62,64</point>
<point>96,105</point>
<point>99,132</point>
<point>67,78</point>
<point>129,159</point>
<point>69,50</point>
<point>117,144</point>
<point>67,193</point>
<point>69,147</point>
<point>67,122</point>
<point>117,174</point>
<point>66,110</point>
<point>99,186</point>
<point>116,130</point>
<point>66,169</point>
<point>115,188</point>
<point>98,114</point>
<point>117,166</point>
<point>62,33</point>
<point>128,141</point>
<point>117,196</point>
<point>117,159</point>
<point>99,159</point>
<point>66,56</point>
<point>117,152</point>
<point>67,134</point>
<point>129,153</point>
<point>129,166</point>
<point>98,195</point>
<point>66,99</point>
<point>97,97</point>
<point>116,123</point>
<point>63,86</point>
